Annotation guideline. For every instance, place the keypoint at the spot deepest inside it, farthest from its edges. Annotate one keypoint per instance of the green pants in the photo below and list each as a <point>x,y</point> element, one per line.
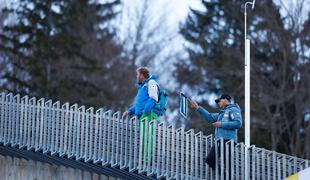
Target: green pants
<point>145,143</point>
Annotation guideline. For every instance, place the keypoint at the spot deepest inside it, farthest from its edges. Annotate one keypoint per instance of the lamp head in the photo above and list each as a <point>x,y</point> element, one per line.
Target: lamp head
<point>253,4</point>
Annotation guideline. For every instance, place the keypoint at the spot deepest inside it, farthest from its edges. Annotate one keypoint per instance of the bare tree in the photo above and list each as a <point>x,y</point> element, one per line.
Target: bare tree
<point>145,32</point>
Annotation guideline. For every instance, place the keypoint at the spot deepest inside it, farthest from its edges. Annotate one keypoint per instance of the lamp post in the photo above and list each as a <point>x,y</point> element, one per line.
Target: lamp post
<point>247,89</point>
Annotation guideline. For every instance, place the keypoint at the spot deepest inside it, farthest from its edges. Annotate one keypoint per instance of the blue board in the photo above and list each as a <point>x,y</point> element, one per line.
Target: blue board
<point>183,104</point>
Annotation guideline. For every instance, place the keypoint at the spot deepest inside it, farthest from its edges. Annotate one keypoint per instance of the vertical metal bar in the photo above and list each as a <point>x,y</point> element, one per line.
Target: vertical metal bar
<point>163,155</point>
<point>155,147</point>
<point>24,120</point>
<point>16,134</point>
<point>237,161</point>
<point>263,165</point>
<point>232,158</point>
<point>76,134</point>
<point>55,126</point>
<point>118,120</point>
<point>207,171</point>
<point>42,122</point>
<point>96,137</point>
<point>268,166</point>
<point>222,159</point>
<point>290,170</point>
<point>112,138</point>
<point>284,169</point>
<point>109,139</point>
<point>115,140</point>
<point>274,169</point>
<point>78,129</point>
<point>31,129</point>
<point>90,127</point>
<point>159,144</point>
<point>106,138</point>
<point>47,127</point>
<point>187,153</point>
<point>136,136</point>
<point>131,142</point>
<point>3,106</point>
<point>257,155</point>
<point>12,122</point>
<point>173,152</point>
<point>243,161</point>
<point>63,129</point>
<point>197,155</point>
<point>126,133</point>
<point>7,121</point>
<point>39,124</point>
<point>142,124</point>
<point>278,163</point>
<point>227,159</point>
<point>145,146</point>
<point>201,148</point>
<point>183,154</point>
<point>295,165</point>
<point>126,139</point>
<point>81,132</point>
<point>178,142</point>
<point>124,159</point>
<point>72,128</point>
<point>86,135</point>
<point>150,151</point>
<point>247,163</point>
<point>192,155</point>
<point>168,151</point>
<point>216,159</point>
<point>253,161</point>
<point>99,123</point>
<point>124,145</point>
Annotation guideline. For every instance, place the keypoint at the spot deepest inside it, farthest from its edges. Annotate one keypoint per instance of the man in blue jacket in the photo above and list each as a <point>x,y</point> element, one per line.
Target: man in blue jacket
<point>147,96</point>
<point>145,101</point>
<point>226,122</point>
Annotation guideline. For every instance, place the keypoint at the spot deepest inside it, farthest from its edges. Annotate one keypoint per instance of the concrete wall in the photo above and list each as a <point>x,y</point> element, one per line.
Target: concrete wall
<point>12,168</point>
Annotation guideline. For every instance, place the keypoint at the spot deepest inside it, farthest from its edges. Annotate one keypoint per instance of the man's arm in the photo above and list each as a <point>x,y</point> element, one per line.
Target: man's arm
<point>235,120</point>
<point>153,96</point>
<point>206,115</point>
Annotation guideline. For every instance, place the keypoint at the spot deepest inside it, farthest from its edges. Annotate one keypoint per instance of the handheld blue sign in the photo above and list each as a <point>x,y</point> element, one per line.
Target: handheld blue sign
<point>183,104</point>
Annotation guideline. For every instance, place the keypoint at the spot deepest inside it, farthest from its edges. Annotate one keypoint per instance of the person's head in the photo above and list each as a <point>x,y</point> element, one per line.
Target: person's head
<point>223,100</point>
<point>143,73</point>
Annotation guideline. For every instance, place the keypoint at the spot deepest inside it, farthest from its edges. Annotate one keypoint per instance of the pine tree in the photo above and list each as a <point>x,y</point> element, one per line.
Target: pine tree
<point>216,65</point>
<point>67,50</point>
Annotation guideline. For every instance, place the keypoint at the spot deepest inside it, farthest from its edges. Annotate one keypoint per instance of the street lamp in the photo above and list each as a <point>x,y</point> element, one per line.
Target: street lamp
<point>247,105</point>
<point>247,77</point>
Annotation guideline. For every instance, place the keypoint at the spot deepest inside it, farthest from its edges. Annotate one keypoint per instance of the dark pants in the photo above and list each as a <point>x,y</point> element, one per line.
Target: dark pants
<point>211,159</point>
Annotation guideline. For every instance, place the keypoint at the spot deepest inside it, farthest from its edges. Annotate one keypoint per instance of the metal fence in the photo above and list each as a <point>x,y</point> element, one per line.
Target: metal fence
<point>105,138</point>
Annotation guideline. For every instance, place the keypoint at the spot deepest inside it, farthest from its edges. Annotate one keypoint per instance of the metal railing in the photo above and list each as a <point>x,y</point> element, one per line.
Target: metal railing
<point>105,138</point>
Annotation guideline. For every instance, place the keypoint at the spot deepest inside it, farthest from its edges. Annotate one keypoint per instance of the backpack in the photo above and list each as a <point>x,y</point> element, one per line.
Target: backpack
<point>161,106</point>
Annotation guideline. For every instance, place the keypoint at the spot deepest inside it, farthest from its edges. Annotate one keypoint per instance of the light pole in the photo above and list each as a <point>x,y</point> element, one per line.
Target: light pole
<point>247,105</point>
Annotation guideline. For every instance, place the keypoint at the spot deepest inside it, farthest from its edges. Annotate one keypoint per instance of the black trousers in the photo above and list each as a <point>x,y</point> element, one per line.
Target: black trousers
<point>211,157</point>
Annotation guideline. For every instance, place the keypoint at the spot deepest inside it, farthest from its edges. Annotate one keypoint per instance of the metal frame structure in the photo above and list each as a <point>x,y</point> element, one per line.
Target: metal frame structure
<point>83,136</point>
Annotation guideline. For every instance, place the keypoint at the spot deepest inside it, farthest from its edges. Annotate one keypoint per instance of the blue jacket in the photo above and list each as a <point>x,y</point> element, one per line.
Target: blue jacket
<point>230,118</point>
<point>143,103</point>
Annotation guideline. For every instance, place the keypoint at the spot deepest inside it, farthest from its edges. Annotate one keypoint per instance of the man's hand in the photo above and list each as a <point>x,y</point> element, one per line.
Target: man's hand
<point>125,114</point>
<point>193,104</point>
<point>217,124</point>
